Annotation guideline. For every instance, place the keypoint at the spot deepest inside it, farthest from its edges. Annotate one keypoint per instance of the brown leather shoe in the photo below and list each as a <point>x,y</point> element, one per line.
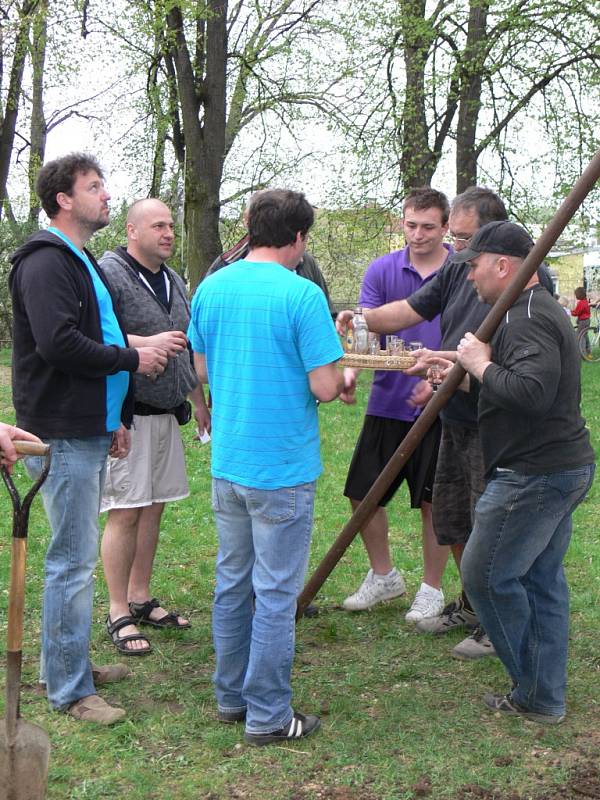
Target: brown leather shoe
<point>109,673</point>
<point>94,709</point>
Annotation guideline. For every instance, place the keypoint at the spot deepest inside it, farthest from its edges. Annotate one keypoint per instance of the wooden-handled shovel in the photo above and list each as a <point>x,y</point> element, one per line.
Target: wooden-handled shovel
<point>24,747</point>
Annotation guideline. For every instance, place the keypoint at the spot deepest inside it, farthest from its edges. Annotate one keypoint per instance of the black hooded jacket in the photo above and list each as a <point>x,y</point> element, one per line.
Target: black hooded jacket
<point>59,360</point>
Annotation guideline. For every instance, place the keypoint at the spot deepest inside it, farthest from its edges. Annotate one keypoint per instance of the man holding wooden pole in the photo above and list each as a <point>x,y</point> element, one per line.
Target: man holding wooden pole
<point>539,465</point>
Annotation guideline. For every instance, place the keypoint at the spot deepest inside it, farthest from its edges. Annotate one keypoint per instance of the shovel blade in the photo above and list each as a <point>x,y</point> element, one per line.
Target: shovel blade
<point>24,763</point>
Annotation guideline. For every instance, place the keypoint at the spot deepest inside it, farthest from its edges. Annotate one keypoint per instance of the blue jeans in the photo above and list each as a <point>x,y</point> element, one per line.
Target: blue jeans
<point>264,541</point>
<point>71,496</point>
<point>512,569</point>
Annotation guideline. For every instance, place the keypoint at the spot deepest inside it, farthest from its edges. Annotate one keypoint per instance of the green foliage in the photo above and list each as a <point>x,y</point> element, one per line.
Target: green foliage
<point>401,719</point>
<point>345,242</point>
<point>524,83</point>
<point>113,235</point>
<point>12,235</point>
<point>359,99</point>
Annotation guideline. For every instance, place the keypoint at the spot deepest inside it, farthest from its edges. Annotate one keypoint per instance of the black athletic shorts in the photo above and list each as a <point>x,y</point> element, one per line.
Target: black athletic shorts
<point>376,444</point>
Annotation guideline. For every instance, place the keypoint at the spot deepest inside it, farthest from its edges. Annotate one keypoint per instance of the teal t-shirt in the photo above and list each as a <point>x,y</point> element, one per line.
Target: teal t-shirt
<point>262,328</point>
<point>117,384</point>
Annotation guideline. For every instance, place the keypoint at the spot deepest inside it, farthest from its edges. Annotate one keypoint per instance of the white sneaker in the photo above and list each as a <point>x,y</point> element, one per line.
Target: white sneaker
<point>475,646</point>
<point>428,602</point>
<point>374,589</point>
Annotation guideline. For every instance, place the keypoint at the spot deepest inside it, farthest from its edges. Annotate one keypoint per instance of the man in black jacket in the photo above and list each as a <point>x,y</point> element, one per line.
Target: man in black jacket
<point>71,366</point>
<point>539,465</point>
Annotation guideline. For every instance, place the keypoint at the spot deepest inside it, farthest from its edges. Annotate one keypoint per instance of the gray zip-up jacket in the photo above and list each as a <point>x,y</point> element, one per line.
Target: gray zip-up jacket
<point>143,314</point>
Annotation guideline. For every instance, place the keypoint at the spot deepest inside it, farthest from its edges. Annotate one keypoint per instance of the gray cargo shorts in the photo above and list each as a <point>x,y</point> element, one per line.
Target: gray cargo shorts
<point>458,484</point>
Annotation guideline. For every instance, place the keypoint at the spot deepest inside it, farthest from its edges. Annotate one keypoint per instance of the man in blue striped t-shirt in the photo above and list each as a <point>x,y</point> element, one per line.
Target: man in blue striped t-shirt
<point>264,340</point>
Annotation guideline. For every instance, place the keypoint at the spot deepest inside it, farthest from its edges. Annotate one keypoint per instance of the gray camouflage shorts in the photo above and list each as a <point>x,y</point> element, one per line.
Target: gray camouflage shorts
<point>458,484</point>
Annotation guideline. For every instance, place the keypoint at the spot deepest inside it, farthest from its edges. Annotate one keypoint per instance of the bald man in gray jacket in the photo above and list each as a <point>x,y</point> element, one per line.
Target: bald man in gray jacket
<point>153,301</point>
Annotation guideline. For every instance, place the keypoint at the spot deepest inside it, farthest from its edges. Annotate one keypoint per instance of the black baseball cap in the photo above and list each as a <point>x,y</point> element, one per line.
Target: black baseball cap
<point>500,237</point>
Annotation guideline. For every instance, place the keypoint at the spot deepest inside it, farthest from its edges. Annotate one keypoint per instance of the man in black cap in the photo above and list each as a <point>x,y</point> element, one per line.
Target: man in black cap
<point>539,466</point>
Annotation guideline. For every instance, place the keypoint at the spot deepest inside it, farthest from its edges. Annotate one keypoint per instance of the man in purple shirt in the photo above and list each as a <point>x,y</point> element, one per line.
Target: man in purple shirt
<point>392,411</point>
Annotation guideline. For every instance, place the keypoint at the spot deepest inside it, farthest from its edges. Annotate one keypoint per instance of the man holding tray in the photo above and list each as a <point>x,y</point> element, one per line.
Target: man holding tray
<point>392,411</point>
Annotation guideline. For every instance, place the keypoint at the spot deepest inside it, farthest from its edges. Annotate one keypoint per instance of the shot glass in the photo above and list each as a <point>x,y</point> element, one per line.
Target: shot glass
<point>415,345</point>
<point>373,344</point>
<point>435,376</point>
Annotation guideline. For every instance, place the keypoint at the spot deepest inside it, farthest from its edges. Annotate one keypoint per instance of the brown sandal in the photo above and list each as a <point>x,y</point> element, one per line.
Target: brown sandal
<point>141,614</point>
<point>120,642</point>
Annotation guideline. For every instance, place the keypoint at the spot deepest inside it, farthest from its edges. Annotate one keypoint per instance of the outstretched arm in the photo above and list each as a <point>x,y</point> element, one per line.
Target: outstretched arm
<point>389,318</point>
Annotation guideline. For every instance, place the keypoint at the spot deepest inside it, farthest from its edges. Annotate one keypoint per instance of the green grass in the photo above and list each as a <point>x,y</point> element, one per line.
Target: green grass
<point>401,719</point>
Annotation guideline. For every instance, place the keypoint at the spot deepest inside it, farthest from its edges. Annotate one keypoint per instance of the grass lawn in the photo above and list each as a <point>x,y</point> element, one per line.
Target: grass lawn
<point>401,718</point>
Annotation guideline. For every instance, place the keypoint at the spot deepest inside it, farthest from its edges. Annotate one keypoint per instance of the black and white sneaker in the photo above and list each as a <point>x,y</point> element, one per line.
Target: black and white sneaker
<point>453,616</point>
<point>300,727</point>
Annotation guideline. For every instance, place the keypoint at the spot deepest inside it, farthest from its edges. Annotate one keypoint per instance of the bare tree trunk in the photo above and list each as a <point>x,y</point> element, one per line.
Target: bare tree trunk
<point>178,138</point>
<point>201,218</point>
<point>160,117</point>
<point>417,163</point>
<point>158,163</point>
<point>37,147</point>
<point>11,112</point>
<point>203,112</point>
<point>473,59</point>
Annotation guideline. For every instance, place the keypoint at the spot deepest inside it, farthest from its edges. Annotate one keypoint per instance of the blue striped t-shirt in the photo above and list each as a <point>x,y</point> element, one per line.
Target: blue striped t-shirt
<point>262,328</point>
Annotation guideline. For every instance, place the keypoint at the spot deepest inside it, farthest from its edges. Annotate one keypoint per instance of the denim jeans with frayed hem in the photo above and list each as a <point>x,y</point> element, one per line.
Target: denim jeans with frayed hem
<point>264,541</point>
<point>512,569</point>
<point>71,495</point>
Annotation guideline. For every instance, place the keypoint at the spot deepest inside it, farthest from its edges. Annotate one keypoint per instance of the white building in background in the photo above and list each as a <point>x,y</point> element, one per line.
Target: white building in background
<point>591,265</point>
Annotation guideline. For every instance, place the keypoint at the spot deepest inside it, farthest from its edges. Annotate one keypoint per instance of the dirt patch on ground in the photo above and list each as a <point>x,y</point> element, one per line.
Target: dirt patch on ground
<point>584,782</point>
<point>149,704</point>
<point>314,791</point>
<point>581,762</point>
<point>158,678</point>
<point>583,777</point>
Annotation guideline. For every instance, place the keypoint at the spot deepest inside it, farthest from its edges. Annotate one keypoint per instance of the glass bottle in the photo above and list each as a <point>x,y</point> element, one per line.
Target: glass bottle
<point>361,332</point>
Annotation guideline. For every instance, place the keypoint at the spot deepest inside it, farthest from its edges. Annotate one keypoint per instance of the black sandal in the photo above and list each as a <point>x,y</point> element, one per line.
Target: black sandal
<point>141,614</point>
<point>120,642</point>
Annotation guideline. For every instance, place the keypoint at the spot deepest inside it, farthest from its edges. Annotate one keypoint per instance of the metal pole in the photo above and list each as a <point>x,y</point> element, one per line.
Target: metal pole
<point>484,333</point>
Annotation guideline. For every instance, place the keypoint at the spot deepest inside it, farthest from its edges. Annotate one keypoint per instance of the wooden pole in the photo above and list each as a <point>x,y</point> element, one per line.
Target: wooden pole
<point>484,333</point>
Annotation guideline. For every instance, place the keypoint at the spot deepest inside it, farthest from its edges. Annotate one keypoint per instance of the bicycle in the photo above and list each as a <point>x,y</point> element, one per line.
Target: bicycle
<point>588,340</point>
